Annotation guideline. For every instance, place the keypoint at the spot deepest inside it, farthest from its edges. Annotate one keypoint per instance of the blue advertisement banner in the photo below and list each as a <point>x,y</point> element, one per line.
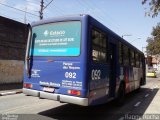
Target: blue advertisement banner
<point>56,39</point>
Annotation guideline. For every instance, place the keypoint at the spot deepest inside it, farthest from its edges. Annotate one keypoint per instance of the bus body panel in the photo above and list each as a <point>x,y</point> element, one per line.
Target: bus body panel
<point>99,84</point>
<point>132,77</point>
<point>59,75</point>
<point>102,85</point>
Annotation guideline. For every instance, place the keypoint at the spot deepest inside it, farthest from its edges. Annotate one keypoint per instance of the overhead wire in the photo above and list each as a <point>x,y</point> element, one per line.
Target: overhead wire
<point>57,10</point>
<point>87,8</point>
<point>3,10</point>
<point>14,18</point>
<point>112,20</point>
<point>21,19</point>
<point>47,4</point>
<point>18,9</point>
<point>103,14</point>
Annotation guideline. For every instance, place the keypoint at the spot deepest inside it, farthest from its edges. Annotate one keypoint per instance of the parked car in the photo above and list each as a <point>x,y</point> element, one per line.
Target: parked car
<point>151,73</point>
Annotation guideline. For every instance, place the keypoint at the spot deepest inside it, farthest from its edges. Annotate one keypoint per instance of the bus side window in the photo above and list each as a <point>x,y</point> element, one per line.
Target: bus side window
<point>120,53</point>
<point>141,62</point>
<point>132,58</point>
<point>99,46</point>
<point>126,56</point>
<point>137,60</point>
<point>129,56</point>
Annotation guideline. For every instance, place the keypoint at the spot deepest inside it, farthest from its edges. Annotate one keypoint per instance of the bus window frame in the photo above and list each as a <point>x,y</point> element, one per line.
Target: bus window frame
<point>137,59</point>
<point>125,58</point>
<point>122,53</point>
<point>106,50</point>
<point>129,55</point>
<point>82,28</point>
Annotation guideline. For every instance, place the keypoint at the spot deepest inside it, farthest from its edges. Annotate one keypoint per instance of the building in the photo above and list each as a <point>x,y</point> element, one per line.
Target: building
<point>13,37</point>
<point>156,62</point>
<point>153,62</point>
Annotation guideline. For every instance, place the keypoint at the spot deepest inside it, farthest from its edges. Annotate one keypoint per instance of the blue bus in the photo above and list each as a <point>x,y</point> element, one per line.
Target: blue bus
<point>77,60</point>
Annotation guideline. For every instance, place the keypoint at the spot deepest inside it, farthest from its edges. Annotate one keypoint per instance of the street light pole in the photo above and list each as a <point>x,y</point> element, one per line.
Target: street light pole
<point>134,40</point>
<point>126,35</point>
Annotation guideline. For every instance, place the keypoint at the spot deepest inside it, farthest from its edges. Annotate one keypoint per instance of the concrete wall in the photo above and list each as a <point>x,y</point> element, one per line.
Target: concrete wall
<point>11,71</point>
<point>13,36</point>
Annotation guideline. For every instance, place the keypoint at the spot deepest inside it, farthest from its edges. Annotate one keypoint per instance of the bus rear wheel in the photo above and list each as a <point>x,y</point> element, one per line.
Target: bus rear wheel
<point>139,88</point>
<point>121,95</point>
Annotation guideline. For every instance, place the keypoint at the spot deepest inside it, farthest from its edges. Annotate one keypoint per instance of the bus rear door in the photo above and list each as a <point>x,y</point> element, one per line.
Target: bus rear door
<point>99,83</point>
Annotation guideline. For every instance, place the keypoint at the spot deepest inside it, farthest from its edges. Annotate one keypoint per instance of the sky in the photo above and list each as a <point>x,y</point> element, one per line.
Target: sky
<point>125,17</point>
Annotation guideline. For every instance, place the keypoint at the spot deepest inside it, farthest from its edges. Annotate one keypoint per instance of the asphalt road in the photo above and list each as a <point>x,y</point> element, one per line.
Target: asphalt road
<point>31,108</point>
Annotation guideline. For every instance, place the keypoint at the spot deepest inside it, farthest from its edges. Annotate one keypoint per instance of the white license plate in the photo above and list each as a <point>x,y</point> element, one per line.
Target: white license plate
<point>47,89</point>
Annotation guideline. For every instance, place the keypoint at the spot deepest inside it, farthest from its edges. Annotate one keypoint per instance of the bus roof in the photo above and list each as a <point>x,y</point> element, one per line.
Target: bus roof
<point>59,19</point>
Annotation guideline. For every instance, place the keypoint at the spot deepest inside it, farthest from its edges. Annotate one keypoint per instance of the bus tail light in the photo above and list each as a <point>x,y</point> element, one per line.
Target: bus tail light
<point>74,92</point>
<point>26,85</point>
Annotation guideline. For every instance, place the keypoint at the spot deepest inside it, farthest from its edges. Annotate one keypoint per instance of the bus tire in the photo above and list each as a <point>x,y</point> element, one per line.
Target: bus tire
<point>121,95</point>
<point>139,88</point>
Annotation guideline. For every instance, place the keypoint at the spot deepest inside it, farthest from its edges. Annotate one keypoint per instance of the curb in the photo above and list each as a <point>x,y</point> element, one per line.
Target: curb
<point>11,93</point>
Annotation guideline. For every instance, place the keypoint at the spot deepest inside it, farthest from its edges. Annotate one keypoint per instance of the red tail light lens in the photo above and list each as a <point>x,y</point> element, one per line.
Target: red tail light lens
<point>25,85</point>
<point>74,92</point>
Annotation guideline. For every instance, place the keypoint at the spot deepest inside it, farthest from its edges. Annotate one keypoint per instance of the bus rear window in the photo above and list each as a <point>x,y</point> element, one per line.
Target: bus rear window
<point>56,39</point>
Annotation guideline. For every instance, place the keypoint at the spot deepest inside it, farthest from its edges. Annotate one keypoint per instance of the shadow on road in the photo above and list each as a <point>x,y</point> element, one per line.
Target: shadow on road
<point>11,86</point>
<point>106,111</point>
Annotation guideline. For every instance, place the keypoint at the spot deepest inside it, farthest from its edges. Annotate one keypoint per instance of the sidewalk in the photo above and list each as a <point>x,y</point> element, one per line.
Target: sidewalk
<point>12,88</point>
<point>154,107</point>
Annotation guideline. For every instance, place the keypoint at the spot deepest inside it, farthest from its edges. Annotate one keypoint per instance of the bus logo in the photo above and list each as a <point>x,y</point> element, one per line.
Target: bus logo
<point>54,33</point>
<point>46,32</point>
<point>35,73</point>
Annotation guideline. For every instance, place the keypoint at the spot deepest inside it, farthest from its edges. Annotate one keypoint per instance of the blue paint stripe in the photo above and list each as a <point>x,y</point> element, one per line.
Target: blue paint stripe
<point>56,52</point>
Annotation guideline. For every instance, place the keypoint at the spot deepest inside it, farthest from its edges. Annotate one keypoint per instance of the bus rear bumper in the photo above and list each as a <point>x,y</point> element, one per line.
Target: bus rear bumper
<point>65,98</point>
<point>57,97</point>
<point>31,92</point>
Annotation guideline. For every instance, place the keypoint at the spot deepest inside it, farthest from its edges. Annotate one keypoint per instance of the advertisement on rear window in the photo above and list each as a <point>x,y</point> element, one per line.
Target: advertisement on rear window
<point>56,39</point>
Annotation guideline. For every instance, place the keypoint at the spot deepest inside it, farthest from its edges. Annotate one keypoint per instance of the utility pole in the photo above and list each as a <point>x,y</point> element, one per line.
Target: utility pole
<point>41,10</point>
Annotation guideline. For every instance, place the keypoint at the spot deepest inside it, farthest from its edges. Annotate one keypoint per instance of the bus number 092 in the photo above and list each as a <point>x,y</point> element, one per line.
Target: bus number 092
<point>96,74</point>
<point>70,75</point>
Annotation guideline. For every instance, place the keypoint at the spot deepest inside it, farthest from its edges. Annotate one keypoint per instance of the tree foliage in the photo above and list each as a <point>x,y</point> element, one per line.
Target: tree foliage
<point>153,47</point>
<point>154,7</point>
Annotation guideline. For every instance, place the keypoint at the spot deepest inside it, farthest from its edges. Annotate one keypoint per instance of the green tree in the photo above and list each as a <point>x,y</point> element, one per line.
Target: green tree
<point>153,47</point>
<point>154,7</point>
